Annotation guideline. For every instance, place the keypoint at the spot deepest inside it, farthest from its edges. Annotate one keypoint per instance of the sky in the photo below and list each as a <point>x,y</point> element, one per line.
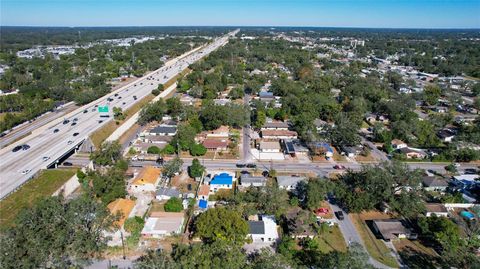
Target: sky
<point>322,13</point>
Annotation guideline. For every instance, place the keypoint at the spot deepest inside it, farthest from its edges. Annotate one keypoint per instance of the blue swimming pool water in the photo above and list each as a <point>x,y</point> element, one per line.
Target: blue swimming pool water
<point>467,214</point>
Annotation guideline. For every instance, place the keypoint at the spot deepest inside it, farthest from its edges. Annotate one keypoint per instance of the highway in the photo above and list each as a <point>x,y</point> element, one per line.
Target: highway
<point>52,141</point>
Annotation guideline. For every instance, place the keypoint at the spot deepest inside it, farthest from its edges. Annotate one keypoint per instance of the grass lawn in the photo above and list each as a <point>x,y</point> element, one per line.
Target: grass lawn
<point>44,185</point>
<point>331,240</point>
<point>416,255</point>
<point>377,249</point>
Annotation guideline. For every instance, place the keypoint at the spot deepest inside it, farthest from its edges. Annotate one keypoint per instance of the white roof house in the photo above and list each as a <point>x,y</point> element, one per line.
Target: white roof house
<point>161,224</point>
<point>288,182</point>
<point>264,230</point>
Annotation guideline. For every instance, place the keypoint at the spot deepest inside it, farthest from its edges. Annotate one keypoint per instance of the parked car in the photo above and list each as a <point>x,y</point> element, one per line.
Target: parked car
<point>340,215</point>
<point>67,163</point>
<point>338,166</point>
<point>240,165</point>
<point>251,165</point>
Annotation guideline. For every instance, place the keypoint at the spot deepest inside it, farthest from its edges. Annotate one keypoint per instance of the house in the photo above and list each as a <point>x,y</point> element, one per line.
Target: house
<point>247,180</point>
<point>121,206</point>
<point>398,144</point>
<point>186,99</point>
<point>263,230</point>
<point>264,94</point>
<point>203,204</point>
<point>371,118</point>
<point>351,152</point>
<point>289,182</point>
<point>390,229</point>
<point>163,130</point>
<point>446,135</point>
<point>266,146</point>
<point>466,181</point>
<point>124,208</point>
<point>320,125</point>
<point>221,102</point>
<point>221,132</point>
<point>275,125</point>
<point>147,179</point>
<point>167,193</point>
<point>221,181</point>
<point>204,192</point>
<point>279,134</point>
<point>212,144</point>
<point>161,224</point>
<point>438,210</point>
<point>431,183</point>
<point>294,147</point>
<point>322,148</point>
<point>412,153</point>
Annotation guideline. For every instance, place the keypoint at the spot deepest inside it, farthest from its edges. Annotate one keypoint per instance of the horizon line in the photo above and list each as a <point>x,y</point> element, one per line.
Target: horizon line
<point>251,26</point>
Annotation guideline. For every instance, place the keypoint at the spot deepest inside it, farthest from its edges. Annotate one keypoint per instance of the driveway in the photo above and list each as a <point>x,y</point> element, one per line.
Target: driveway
<point>351,235</point>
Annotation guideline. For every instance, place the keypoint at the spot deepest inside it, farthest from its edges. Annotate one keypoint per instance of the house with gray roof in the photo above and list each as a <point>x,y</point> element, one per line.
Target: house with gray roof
<point>289,182</point>
<point>167,193</point>
<point>247,180</point>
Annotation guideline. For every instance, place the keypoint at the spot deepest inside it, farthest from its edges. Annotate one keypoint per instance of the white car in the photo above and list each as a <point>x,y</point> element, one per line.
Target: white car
<point>45,158</point>
<point>26,171</point>
<point>70,142</point>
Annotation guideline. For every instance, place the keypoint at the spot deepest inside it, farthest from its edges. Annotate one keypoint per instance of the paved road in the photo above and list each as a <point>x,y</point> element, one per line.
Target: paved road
<point>247,155</point>
<point>25,129</point>
<point>18,167</point>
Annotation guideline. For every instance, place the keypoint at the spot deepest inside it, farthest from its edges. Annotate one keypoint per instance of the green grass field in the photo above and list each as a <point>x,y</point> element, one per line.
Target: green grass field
<point>44,185</point>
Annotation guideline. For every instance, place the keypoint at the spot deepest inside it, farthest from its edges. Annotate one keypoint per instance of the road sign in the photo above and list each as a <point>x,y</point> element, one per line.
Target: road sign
<point>103,109</point>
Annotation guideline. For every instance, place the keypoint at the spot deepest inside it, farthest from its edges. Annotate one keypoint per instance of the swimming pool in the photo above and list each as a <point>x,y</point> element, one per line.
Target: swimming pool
<point>467,215</point>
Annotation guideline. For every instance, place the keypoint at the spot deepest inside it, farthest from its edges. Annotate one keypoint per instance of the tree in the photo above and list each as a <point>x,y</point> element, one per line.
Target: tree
<point>391,183</point>
<point>108,154</point>
<point>185,136</point>
<point>431,94</point>
<point>153,150</point>
<point>344,133</point>
<point>108,184</point>
<point>41,237</point>
<point>168,149</point>
<point>259,119</point>
<point>221,224</point>
<point>152,112</point>
<point>197,150</point>
<point>118,113</point>
<point>172,167</point>
<point>160,87</point>
<point>266,259</point>
<point>134,224</point>
<point>155,259</point>
<point>173,204</point>
<point>155,92</point>
<point>196,170</point>
<point>174,107</point>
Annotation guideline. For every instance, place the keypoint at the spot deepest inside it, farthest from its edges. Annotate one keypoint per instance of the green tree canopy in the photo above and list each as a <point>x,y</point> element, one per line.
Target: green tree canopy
<point>221,224</point>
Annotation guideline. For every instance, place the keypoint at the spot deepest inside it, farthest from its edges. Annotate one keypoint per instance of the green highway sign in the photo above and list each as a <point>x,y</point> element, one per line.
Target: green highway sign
<point>103,109</point>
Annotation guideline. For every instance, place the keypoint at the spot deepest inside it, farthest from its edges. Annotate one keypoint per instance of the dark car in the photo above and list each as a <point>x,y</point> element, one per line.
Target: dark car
<point>123,103</point>
<point>17,148</point>
<point>119,97</point>
<point>56,131</point>
<point>25,147</point>
<point>85,111</point>
<point>189,187</point>
<point>265,173</point>
<point>470,171</point>
<point>116,94</point>
<point>75,120</point>
<point>338,166</point>
<point>66,121</point>
<point>340,215</point>
<point>75,134</point>
<point>74,123</point>
<point>240,165</point>
<point>3,134</point>
<point>100,121</point>
<point>251,165</point>
<point>67,163</point>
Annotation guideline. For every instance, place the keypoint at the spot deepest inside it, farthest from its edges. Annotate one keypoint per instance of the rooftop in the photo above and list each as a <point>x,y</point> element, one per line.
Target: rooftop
<point>288,180</point>
<point>124,206</point>
<point>390,228</point>
<point>148,175</point>
<point>222,179</point>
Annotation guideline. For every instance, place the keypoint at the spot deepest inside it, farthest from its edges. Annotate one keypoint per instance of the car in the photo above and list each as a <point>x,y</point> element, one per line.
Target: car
<point>100,121</point>
<point>69,142</point>
<point>470,171</point>
<point>75,120</point>
<point>56,131</point>
<point>251,165</point>
<point>119,97</point>
<point>124,103</point>
<point>85,111</point>
<point>93,109</point>
<point>189,187</point>
<point>45,158</point>
<point>241,165</point>
<point>151,83</point>
<point>66,121</point>
<point>17,148</point>
<point>265,173</point>
<point>340,215</point>
<point>338,166</point>
<point>26,171</point>
<point>67,163</point>
<point>3,134</point>
<point>25,146</point>
<point>115,94</point>
<point>75,134</point>
<point>74,123</point>
<point>141,83</point>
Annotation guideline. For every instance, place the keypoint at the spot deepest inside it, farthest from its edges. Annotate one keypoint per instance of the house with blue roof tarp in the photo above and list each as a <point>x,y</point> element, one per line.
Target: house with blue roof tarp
<point>203,204</point>
<point>221,181</point>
